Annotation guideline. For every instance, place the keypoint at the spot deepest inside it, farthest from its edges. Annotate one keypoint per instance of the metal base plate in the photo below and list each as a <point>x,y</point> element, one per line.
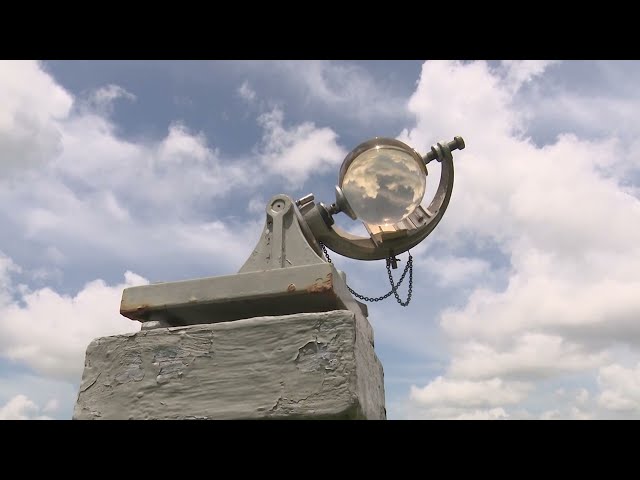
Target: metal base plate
<point>301,289</point>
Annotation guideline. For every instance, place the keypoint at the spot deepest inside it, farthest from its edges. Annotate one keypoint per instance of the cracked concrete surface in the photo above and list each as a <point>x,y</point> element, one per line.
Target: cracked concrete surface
<point>311,365</point>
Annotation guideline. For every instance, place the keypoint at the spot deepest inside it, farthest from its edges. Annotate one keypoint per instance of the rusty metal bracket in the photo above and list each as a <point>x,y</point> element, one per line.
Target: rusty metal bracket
<point>301,289</point>
<point>286,240</point>
<point>285,274</point>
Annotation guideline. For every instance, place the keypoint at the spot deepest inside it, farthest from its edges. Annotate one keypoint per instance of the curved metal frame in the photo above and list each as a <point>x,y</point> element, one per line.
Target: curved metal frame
<point>364,248</point>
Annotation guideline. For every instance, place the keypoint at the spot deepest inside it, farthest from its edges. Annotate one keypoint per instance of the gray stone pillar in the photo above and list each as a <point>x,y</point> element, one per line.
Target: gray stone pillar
<point>300,366</point>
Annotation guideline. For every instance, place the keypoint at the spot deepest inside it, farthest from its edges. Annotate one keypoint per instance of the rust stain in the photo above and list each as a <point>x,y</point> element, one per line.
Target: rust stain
<point>291,288</point>
<point>323,286</point>
<point>135,313</point>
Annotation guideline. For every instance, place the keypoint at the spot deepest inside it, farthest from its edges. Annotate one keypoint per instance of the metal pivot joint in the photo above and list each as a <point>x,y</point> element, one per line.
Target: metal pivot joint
<point>286,240</point>
<point>443,150</point>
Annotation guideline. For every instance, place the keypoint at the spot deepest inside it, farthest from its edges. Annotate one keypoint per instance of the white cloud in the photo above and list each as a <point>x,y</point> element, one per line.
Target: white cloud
<point>345,89</point>
<point>519,72</point>
<point>54,255</point>
<point>51,406</point>
<point>183,102</point>
<point>443,392</point>
<point>453,98</point>
<point>551,415</point>
<point>452,413</point>
<point>569,413</point>
<point>453,271</point>
<point>57,395</point>
<point>591,301</point>
<point>256,205</point>
<point>592,99</point>
<point>99,199</point>
<point>620,389</point>
<point>295,153</point>
<point>528,356</point>
<point>7,267</point>
<point>21,408</point>
<point>582,396</point>
<point>247,93</point>
<point>177,174</point>
<point>234,245</point>
<point>492,414</point>
<point>31,103</point>
<point>566,218</point>
<point>561,216</point>
<point>50,332</point>
<point>102,99</point>
<point>98,195</point>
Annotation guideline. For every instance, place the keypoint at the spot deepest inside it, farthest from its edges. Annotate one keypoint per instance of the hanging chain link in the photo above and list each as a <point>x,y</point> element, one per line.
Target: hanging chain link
<point>394,286</point>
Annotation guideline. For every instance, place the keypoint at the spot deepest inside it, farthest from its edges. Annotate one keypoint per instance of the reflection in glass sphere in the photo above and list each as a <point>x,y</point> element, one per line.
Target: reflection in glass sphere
<point>384,185</point>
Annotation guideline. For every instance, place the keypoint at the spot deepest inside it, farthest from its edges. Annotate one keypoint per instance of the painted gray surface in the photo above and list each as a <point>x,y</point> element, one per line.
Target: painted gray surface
<point>309,365</point>
<point>284,291</point>
<point>286,239</point>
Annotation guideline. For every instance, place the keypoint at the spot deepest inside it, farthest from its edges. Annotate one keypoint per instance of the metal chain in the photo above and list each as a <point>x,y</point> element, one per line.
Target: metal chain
<point>394,286</point>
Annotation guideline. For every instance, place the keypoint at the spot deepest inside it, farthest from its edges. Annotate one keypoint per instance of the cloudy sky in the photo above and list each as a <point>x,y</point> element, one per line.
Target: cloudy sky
<point>526,298</point>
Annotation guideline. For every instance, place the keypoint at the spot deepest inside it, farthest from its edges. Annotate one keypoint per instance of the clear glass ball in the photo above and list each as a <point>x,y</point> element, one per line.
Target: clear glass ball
<point>384,185</point>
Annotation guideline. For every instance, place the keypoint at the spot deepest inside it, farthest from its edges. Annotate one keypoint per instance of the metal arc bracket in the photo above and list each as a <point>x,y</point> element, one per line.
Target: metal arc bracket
<point>364,248</point>
<point>286,240</point>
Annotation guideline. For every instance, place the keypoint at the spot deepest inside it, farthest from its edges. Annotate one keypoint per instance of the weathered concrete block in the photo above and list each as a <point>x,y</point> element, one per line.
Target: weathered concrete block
<point>302,366</point>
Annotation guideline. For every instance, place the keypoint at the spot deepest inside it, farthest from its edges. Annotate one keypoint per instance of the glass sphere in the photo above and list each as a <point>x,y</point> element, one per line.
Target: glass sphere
<point>384,185</point>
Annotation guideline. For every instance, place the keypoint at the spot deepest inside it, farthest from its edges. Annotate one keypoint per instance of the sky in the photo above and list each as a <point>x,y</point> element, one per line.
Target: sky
<point>526,297</point>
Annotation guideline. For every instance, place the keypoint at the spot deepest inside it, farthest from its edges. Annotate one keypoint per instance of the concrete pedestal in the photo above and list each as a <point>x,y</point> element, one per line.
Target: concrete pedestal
<point>301,366</point>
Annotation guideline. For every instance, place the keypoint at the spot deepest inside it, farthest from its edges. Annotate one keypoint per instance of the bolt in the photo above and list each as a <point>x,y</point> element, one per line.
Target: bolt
<point>456,144</point>
<point>277,205</point>
<point>304,200</point>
